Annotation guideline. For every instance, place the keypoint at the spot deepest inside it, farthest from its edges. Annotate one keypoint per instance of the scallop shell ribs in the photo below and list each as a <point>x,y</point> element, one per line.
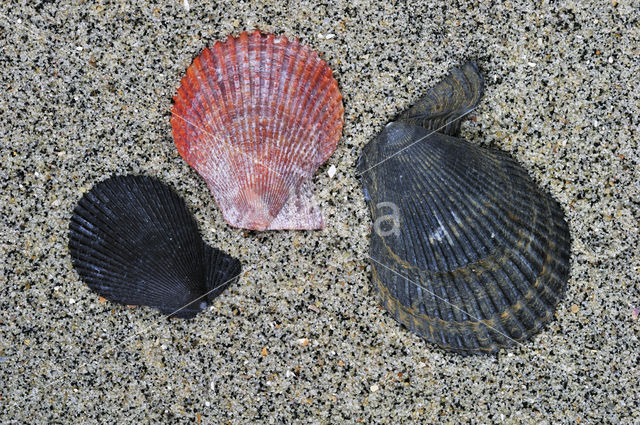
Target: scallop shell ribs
<point>133,241</point>
<point>467,251</point>
<point>256,116</point>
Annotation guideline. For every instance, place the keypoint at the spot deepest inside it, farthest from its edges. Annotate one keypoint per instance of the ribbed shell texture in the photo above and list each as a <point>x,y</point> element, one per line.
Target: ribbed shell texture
<point>133,241</point>
<point>255,116</point>
<point>479,256</point>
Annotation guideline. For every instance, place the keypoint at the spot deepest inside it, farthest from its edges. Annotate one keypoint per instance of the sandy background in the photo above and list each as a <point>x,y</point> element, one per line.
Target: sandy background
<point>300,338</point>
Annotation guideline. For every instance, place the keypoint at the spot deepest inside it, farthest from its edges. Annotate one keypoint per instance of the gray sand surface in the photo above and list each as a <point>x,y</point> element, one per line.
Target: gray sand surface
<point>301,338</point>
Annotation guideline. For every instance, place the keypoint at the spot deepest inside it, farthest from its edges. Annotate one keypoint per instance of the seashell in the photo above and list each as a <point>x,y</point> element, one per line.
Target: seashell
<point>256,116</point>
<point>467,251</point>
<point>133,241</point>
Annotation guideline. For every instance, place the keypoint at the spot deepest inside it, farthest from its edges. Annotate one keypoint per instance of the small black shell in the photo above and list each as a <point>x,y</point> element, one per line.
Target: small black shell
<point>133,241</point>
<point>466,250</point>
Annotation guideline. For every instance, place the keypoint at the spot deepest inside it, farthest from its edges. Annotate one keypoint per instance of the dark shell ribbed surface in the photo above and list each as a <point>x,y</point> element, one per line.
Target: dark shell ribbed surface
<point>133,241</point>
<point>466,250</point>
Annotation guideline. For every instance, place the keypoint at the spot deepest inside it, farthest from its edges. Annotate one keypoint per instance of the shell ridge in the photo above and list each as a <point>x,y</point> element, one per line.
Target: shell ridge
<point>105,206</point>
<point>494,298</point>
<point>433,290</point>
<point>445,186</point>
<point>277,199</point>
<point>335,109</point>
<point>523,318</point>
<point>294,86</point>
<point>189,152</point>
<point>495,206</point>
<point>212,120</point>
<point>164,271</point>
<point>81,240</point>
<point>446,310</point>
<point>254,47</point>
<point>337,113</point>
<point>498,302</point>
<point>133,196</point>
<point>237,106</point>
<point>316,111</point>
<point>461,257</point>
<point>402,290</point>
<point>218,153</point>
<point>243,88</point>
<point>472,309</point>
<point>81,247</point>
<point>268,60</point>
<point>326,98</point>
<point>225,56</point>
<point>246,89</point>
<point>188,237</point>
<point>295,177</point>
<point>276,59</point>
<point>106,266</point>
<point>312,130</point>
<point>312,66</point>
<point>289,91</point>
<point>297,195</point>
<point>446,268</point>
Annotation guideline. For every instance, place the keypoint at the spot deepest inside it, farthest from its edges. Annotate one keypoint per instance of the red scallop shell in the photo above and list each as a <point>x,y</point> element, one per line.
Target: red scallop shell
<point>256,116</point>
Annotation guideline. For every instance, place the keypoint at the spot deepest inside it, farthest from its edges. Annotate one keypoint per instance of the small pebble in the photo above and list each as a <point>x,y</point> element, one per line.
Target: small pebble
<point>331,171</point>
<point>374,388</point>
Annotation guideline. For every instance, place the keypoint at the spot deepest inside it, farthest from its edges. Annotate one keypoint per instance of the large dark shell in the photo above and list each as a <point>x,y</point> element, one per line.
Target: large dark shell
<point>466,250</point>
<point>133,241</point>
